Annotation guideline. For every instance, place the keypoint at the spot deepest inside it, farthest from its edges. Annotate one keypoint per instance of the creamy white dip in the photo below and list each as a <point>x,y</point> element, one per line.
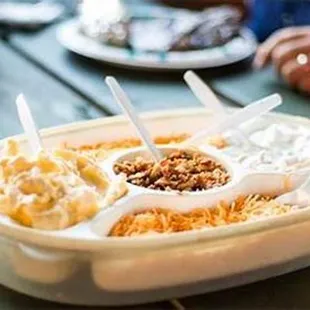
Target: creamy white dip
<point>270,147</point>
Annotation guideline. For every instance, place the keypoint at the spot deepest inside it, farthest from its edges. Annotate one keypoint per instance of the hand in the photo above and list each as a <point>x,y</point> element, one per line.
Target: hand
<point>289,51</point>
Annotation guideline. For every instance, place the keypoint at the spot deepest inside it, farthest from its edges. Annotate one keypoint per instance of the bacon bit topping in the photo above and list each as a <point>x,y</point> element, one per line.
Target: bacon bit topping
<point>180,170</point>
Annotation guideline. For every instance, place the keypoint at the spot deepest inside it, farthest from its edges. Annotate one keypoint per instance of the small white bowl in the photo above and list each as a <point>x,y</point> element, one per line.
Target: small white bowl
<point>234,170</point>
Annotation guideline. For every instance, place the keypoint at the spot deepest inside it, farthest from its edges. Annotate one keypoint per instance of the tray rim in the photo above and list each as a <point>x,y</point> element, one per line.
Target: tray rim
<point>149,115</point>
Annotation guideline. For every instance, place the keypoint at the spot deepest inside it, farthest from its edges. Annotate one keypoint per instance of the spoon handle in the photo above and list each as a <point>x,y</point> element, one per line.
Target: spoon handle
<point>253,110</point>
<point>123,100</point>
<point>204,94</point>
<point>28,124</point>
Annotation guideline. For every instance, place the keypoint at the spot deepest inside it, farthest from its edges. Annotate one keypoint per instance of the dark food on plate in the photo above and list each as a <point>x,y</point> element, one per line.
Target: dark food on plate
<point>179,30</point>
<point>159,220</point>
<point>180,170</point>
<point>214,27</point>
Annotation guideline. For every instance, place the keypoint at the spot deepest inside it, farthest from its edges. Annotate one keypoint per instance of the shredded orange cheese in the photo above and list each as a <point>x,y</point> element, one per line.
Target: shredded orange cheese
<point>218,141</point>
<point>104,149</point>
<point>159,220</point>
<point>131,142</point>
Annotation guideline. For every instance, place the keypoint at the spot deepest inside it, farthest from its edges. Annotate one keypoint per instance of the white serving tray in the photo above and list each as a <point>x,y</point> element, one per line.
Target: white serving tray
<point>91,269</point>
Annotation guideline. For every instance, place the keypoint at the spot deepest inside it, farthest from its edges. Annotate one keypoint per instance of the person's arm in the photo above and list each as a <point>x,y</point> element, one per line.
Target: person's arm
<point>289,51</point>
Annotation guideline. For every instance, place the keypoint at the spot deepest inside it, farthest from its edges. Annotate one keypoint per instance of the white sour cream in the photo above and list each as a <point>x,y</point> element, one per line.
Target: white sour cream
<point>272,147</point>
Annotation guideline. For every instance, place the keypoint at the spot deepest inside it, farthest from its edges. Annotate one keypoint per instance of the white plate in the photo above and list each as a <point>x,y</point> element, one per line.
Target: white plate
<point>236,50</point>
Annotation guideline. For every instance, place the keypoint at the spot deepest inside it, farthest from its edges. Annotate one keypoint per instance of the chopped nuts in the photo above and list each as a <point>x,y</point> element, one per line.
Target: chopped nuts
<point>180,170</point>
<point>162,220</point>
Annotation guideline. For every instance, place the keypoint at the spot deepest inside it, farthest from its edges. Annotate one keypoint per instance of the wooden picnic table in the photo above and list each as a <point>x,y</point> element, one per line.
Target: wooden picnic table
<point>62,87</point>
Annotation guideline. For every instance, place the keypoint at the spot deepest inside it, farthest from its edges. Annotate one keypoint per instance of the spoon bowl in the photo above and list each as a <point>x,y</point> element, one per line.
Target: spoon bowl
<point>299,196</point>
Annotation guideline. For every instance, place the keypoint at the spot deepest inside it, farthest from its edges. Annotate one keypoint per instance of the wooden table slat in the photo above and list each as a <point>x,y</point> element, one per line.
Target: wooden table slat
<point>147,90</point>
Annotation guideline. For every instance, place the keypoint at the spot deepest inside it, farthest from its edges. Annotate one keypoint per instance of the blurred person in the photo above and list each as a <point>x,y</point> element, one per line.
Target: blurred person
<point>285,27</point>
<point>288,50</point>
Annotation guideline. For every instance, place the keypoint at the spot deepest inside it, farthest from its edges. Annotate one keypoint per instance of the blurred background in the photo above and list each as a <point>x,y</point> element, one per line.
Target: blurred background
<point>58,52</point>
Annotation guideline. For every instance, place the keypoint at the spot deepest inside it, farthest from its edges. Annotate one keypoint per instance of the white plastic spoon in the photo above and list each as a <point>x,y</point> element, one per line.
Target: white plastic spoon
<point>28,124</point>
<point>204,94</point>
<point>124,101</point>
<point>253,110</point>
<point>209,99</point>
<point>300,196</point>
